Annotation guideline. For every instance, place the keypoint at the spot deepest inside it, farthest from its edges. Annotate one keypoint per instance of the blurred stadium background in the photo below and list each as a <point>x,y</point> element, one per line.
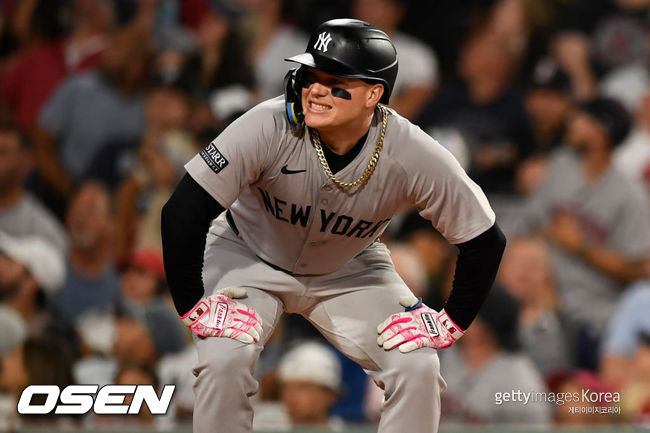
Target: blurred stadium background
<point>546,104</point>
<point>370,429</point>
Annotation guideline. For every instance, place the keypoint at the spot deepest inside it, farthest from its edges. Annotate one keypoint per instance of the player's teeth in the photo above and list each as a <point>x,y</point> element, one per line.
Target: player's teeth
<point>319,106</point>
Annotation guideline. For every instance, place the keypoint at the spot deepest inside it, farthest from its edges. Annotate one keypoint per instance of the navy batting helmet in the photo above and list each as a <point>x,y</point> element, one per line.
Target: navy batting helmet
<point>352,49</point>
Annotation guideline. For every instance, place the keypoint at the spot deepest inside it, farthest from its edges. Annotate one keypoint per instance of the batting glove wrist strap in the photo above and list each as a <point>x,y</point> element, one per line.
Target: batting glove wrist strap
<point>221,315</point>
<point>418,326</point>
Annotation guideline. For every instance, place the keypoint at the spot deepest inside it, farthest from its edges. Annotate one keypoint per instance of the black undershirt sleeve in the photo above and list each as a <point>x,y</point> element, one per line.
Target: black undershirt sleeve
<point>476,268</point>
<point>185,221</point>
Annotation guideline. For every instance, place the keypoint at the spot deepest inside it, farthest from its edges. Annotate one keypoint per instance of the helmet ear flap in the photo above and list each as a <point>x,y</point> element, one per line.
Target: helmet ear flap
<point>294,81</point>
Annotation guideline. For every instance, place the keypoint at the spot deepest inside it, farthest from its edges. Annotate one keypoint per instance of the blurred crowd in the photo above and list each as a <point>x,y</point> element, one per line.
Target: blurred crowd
<point>545,103</point>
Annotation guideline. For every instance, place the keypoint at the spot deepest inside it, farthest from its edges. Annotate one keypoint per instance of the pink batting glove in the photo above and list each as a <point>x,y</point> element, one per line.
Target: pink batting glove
<point>221,316</point>
<point>419,326</point>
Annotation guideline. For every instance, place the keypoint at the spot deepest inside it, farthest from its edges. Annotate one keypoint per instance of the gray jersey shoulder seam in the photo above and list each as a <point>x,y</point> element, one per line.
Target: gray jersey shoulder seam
<point>405,172</point>
<point>280,128</point>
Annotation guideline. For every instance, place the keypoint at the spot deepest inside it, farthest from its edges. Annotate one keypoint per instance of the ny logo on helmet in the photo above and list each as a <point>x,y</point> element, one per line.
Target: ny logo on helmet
<point>323,41</point>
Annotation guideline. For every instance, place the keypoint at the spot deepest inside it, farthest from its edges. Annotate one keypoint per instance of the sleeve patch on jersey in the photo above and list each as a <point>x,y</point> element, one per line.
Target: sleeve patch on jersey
<point>215,160</point>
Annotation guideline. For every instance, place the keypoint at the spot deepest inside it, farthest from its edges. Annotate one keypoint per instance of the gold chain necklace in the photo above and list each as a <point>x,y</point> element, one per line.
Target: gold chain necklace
<point>315,140</point>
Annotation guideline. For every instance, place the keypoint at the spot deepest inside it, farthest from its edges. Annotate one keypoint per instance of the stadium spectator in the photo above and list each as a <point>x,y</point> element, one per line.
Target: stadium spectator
<point>596,220</point>
<point>37,71</point>
<point>91,110</point>
<point>145,298</point>
<point>220,60</point>
<point>548,106</point>
<point>488,360</point>
<point>21,214</point>
<point>130,374</point>
<point>272,39</point>
<point>32,22</point>
<point>127,341</point>
<point>635,402</point>
<point>176,368</point>
<point>31,271</point>
<point>92,282</point>
<point>625,335</point>
<point>40,361</point>
<point>133,343</point>
<point>410,268</point>
<point>632,157</point>
<point>487,109</point>
<point>576,410</point>
<point>137,334</point>
<point>146,335</point>
<point>434,252</point>
<point>594,36</point>
<point>12,376</point>
<point>143,279</point>
<point>526,274</point>
<point>147,172</point>
<point>310,376</point>
<point>418,65</point>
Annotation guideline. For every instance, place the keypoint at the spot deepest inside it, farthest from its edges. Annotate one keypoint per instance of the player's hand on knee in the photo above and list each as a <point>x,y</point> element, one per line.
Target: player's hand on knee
<point>418,326</point>
<point>221,315</point>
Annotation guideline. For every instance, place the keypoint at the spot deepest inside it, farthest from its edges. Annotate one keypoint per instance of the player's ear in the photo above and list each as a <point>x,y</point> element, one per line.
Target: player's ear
<point>374,95</point>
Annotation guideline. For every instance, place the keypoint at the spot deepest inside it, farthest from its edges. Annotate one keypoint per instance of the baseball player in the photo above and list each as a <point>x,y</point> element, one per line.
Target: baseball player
<point>310,180</point>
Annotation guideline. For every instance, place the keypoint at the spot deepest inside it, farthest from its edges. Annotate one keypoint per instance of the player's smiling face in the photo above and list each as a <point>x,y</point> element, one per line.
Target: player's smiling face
<point>330,101</point>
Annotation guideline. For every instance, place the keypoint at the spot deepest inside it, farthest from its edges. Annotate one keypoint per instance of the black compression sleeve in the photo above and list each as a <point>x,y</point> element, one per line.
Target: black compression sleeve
<point>185,221</point>
<point>476,268</point>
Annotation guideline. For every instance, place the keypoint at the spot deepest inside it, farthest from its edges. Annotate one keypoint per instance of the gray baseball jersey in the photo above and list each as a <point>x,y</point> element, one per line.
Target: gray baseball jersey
<point>292,215</point>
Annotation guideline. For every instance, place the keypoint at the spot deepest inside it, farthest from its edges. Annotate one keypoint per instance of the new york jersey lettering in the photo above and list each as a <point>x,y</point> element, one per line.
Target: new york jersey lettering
<point>331,222</point>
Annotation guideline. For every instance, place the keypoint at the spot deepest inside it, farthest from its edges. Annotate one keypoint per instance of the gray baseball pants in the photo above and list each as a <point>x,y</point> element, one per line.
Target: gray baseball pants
<point>345,306</point>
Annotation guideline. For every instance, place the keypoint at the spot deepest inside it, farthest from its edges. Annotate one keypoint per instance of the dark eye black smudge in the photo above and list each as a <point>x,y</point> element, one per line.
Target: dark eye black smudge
<point>341,93</point>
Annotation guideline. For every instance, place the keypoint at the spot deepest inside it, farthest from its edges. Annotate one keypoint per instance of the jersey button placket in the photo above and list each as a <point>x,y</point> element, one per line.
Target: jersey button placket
<point>314,237</point>
<point>324,190</point>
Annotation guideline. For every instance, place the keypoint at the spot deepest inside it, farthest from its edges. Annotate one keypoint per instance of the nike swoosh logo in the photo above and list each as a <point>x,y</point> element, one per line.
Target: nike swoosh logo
<point>285,170</point>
